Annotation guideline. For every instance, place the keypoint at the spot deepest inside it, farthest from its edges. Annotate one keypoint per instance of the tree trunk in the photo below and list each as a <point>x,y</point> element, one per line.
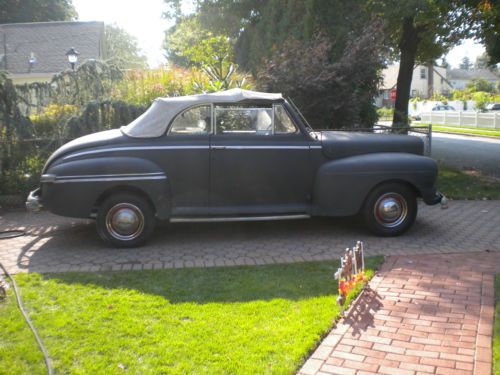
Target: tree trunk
<point>408,45</point>
<point>430,79</point>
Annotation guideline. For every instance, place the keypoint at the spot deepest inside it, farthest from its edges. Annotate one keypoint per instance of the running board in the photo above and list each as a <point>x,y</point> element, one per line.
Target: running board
<point>239,218</point>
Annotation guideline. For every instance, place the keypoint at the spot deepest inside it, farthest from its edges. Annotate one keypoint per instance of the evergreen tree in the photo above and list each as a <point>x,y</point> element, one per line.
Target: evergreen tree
<point>466,64</point>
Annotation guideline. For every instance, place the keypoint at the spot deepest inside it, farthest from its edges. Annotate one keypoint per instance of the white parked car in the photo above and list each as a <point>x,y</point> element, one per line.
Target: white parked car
<point>493,107</point>
<point>443,107</point>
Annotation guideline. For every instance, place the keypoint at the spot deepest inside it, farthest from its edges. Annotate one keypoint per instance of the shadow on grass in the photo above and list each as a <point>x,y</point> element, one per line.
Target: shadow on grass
<point>229,284</point>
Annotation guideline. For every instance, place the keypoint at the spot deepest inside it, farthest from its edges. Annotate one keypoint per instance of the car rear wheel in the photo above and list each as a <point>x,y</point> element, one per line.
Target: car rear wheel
<point>390,209</point>
<point>125,220</point>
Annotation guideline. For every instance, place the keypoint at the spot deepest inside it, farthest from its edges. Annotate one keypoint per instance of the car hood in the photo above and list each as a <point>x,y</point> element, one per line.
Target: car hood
<point>87,141</point>
<point>343,144</point>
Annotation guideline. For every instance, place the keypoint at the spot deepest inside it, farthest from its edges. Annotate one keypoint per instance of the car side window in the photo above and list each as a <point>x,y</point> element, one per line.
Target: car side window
<point>196,120</point>
<point>237,120</point>
<point>283,124</point>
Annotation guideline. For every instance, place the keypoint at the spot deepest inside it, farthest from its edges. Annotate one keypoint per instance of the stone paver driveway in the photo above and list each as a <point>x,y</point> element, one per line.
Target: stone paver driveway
<point>54,244</point>
<point>424,315</point>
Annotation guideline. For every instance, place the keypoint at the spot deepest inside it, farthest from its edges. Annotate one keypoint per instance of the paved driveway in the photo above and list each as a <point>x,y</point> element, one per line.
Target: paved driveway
<point>55,244</point>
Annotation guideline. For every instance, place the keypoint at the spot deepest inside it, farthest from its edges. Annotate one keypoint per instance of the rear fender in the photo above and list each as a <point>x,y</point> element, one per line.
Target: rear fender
<point>74,188</point>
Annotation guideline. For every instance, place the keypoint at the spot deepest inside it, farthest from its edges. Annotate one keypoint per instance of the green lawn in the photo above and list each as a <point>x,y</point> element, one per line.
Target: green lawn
<point>462,130</point>
<point>459,184</point>
<point>247,320</point>
<point>496,328</point>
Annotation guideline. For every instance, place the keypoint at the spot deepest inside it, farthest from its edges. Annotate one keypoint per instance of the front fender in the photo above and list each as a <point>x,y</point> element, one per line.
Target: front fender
<point>72,188</point>
<point>342,185</point>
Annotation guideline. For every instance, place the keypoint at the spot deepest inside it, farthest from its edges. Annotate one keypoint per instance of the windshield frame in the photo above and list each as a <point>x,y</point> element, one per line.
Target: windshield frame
<point>308,126</point>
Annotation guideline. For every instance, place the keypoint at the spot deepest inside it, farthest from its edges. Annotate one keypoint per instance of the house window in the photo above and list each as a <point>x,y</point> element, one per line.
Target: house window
<point>423,73</point>
<point>414,93</point>
<point>386,94</point>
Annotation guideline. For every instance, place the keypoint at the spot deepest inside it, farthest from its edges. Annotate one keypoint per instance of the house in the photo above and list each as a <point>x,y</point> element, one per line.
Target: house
<point>34,52</point>
<point>423,84</point>
<point>459,78</point>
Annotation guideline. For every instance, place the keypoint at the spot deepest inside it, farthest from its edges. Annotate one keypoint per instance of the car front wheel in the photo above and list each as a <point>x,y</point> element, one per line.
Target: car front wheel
<point>125,220</point>
<point>390,209</point>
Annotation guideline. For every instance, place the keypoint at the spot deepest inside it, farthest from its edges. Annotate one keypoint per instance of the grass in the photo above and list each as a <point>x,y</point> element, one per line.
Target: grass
<point>467,184</point>
<point>261,319</point>
<point>496,327</point>
<point>462,130</point>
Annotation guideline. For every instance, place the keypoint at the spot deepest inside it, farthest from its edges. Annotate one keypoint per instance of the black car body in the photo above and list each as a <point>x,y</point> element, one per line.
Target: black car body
<point>234,155</point>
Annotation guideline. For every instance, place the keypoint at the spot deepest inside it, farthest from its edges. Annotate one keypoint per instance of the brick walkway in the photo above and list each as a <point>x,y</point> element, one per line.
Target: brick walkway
<point>423,315</point>
<point>57,244</point>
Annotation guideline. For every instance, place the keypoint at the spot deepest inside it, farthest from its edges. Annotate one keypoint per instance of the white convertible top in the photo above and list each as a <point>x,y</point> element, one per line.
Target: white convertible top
<point>154,122</point>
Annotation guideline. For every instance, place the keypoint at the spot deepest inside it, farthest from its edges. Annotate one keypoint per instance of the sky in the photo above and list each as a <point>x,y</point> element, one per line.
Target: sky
<point>143,20</point>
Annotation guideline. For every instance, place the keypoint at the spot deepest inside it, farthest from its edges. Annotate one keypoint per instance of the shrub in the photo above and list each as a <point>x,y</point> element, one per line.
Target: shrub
<point>385,113</point>
<point>332,94</point>
<point>482,99</point>
<point>141,87</point>
<point>26,175</point>
<point>50,123</point>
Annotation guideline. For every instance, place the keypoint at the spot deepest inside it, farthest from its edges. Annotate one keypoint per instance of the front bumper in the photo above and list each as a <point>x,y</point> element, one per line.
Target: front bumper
<point>34,201</point>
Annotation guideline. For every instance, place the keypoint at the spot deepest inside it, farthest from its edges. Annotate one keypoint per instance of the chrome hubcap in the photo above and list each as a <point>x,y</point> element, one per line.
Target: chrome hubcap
<point>125,221</point>
<point>390,210</point>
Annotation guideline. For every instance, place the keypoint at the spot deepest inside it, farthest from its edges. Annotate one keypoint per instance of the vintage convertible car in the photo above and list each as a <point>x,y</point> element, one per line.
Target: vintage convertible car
<point>230,156</point>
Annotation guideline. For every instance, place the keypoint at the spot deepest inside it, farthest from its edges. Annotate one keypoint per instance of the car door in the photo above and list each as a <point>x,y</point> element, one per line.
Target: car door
<point>259,162</point>
<point>185,158</point>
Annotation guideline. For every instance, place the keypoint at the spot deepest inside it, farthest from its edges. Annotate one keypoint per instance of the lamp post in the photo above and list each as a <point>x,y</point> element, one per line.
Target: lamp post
<point>72,55</point>
<point>32,61</point>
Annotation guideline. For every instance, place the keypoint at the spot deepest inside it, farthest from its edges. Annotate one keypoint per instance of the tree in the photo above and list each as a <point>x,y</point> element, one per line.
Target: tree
<point>482,61</point>
<point>188,44</point>
<point>261,27</point>
<point>466,64</point>
<point>186,33</point>
<point>420,31</point>
<point>122,48</point>
<point>445,64</point>
<point>264,29</point>
<point>332,94</point>
<point>15,11</point>
<point>488,18</point>
<point>480,85</point>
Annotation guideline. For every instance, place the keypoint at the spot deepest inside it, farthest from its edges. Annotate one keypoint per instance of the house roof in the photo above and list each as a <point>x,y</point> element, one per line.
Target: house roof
<point>48,42</point>
<point>154,122</point>
<point>471,74</point>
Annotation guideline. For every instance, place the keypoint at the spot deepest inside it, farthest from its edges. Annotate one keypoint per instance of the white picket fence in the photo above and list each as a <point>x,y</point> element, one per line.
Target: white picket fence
<point>465,119</point>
